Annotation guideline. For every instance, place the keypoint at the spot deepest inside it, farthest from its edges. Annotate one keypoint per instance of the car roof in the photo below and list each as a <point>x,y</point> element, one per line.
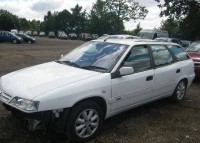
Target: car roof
<point>135,41</point>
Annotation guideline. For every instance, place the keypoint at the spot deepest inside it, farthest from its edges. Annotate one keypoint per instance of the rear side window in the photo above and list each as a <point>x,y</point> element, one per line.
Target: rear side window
<point>178,52</point>
<point>161,55</point>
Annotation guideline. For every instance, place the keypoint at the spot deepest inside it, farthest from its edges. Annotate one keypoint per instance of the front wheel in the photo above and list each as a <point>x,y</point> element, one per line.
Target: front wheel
<point>15,41</point>
<point>180,91</point>
<point>84,122</point>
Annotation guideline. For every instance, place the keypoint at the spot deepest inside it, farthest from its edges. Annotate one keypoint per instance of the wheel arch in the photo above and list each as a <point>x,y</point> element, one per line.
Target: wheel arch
<point>184,79</point>
<point>97,99</point>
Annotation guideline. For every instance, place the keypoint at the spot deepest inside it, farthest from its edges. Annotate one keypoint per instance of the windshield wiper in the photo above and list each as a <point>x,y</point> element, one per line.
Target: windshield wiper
<point>69,63</point>
<point>94,67</point>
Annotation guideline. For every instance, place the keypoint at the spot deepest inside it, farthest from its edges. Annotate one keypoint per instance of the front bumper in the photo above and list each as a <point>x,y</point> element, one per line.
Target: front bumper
<point>48,118</point>
<point>40,116</point>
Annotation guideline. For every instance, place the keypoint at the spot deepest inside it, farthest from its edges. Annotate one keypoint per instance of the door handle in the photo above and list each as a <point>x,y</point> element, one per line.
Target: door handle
<point>178,70</point>
<point>149,78</point>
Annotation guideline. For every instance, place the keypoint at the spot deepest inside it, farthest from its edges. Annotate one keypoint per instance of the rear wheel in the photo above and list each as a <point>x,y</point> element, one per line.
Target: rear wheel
<point>180,91</point>
<point>84,122</point>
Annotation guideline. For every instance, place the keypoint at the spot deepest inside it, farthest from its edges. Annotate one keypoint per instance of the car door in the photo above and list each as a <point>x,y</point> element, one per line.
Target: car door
<point>3,34</point>
<point>132,89</point>
<point>165,70</point>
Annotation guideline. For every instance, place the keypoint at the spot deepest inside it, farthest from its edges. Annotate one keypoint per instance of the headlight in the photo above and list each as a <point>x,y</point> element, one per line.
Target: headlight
<point>25,104</point>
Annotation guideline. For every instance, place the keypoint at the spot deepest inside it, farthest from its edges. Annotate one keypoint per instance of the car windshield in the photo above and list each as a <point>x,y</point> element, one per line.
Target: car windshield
<point>195,47</point>
<point>27,36</point>
<point>100,56</point>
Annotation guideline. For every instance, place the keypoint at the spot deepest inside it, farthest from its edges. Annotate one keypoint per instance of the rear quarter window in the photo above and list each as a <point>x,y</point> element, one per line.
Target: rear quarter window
<point>178,52</point>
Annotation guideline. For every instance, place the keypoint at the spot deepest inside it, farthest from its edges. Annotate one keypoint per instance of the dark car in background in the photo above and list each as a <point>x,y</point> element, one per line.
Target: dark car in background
<point>51,34</point>
<point>194,52</point>
<point>9,37</point>
<point>73,36</point>
<point>27,38</point>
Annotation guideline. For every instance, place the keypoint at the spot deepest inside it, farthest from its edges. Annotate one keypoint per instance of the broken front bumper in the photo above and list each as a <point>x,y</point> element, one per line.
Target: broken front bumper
<point>47,118</point>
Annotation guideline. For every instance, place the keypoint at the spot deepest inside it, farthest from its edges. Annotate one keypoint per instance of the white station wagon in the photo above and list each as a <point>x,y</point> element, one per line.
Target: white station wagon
<point>94,82</point>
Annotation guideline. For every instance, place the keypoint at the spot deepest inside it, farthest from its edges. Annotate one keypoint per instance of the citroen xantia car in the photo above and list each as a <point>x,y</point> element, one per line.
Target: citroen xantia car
<point>94,82</point>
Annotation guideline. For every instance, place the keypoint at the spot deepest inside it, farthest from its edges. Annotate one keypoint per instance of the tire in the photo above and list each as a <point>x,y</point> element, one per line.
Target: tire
<point>29,42</point>
<point>84,122</point>
<point>180,92</point>
<point>15,41</point>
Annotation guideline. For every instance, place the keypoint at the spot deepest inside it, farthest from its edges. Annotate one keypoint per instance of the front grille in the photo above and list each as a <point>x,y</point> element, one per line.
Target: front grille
<point>5,97</point>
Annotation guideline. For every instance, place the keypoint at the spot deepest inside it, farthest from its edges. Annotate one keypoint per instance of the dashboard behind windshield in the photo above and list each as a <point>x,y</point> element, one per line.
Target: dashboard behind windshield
<point>102,55</point>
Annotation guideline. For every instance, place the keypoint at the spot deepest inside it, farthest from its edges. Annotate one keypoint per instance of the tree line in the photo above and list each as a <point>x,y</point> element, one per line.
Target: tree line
<point>183,18</point>
<point>108,16</point>
<point>105,17</point>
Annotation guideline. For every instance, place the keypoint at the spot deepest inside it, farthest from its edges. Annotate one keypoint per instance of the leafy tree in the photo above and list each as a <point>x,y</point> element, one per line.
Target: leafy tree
<point>64,21</point>
<point>103,21</point>
<point>50,22</point>
<point>137,29</point>
<point>79,20</point>
<point>187,12</point>
<point>8,21</point>
<point>127,9</point>
<point>34,25</point>
<point>170,25</point>
<point>24,24</point>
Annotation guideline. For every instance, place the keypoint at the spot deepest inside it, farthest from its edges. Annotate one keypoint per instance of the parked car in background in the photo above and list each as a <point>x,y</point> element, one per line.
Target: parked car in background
<point>27,38</point>
<point>95,81</point>
<point>28,33</point>
<point>186,43</point>
<point>73,36</point>
<point>173,40</point>
<point>35,33</point>
<point>95,36</point>
<point>51,34</point>
<point>85,36</point>
<point>10,37</point>
<point>183,43</point>
<point>42,34</point>
<point>62,35</point>
<point>194,52</point>
<point>153,33</point>
<point>14,31</point>
<point>21,32</point>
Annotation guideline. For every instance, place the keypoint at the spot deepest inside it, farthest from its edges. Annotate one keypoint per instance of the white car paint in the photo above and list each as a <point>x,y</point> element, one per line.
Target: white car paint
<point>58,86</point>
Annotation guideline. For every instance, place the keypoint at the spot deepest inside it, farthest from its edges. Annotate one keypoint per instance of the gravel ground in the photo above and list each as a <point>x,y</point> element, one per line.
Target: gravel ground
<point>158,122</point>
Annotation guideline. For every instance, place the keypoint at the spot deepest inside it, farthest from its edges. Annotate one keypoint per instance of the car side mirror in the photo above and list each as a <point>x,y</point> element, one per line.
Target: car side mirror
<point>126,71</point>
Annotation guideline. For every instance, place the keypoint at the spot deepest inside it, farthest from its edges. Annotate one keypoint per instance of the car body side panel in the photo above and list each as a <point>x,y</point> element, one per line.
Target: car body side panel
<point>131,89</point>
<point>67,96</point>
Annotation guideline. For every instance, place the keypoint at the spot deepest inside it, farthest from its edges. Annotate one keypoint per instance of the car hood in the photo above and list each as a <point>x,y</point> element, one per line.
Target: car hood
<point>194,55</point>
<point>33,81</point>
